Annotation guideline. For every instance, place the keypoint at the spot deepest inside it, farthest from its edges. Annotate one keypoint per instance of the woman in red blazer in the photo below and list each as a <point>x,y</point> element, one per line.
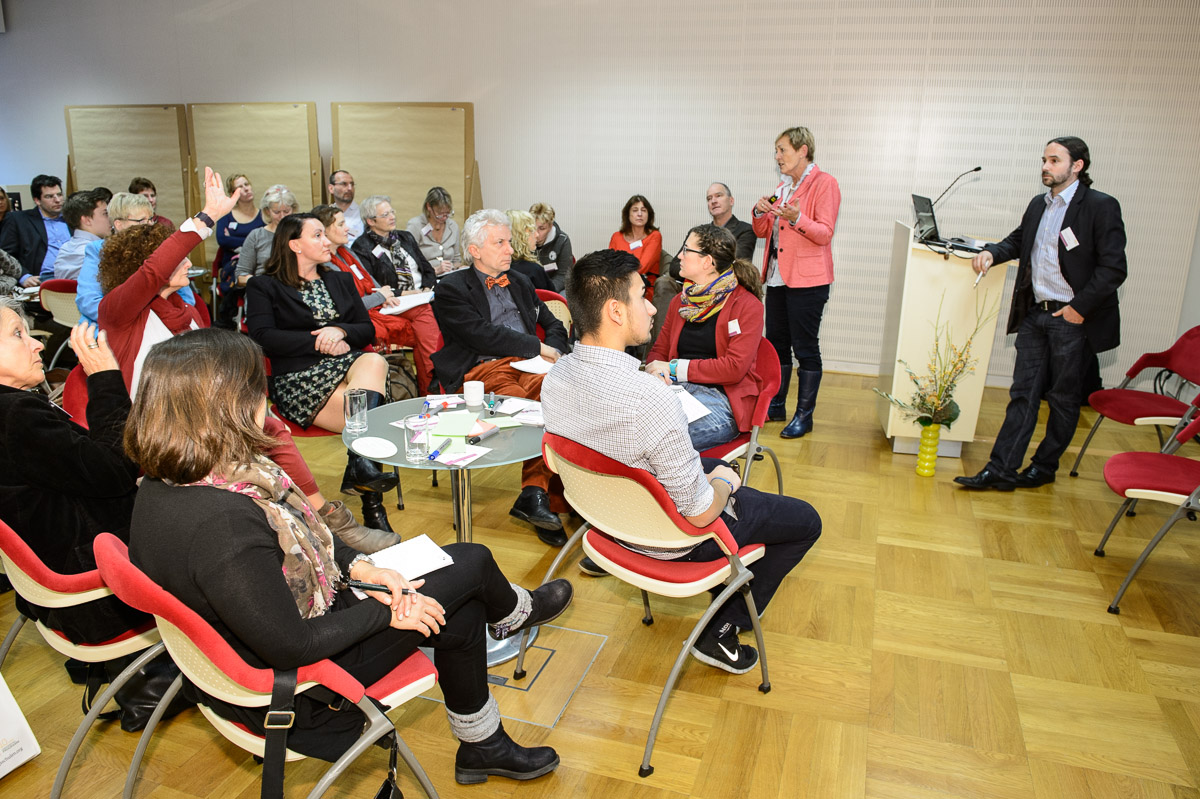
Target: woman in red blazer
<point>709,341</point>
<point>639,236</point>
<point>797,221</point>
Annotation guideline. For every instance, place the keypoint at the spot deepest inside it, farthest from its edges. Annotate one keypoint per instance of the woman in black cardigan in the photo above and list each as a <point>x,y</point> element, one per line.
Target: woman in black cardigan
<point>61,484</point>
<point>311,324</point>
<point>392,256</point>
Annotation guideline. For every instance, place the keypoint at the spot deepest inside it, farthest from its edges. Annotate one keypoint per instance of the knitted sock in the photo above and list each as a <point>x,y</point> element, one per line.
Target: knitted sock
<point>474,727</point>
<point>518,616</point>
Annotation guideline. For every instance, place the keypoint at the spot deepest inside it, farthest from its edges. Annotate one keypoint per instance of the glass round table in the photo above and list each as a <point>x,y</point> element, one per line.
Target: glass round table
<point>507,445</point>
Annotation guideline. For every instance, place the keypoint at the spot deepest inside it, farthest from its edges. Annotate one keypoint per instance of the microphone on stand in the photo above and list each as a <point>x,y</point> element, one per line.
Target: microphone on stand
<point>956,180</point>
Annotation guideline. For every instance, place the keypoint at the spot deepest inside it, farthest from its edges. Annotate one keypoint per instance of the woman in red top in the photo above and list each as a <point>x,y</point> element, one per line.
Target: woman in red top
<point>709,341</point>
<point>141,269</point>
<point>639,236</point>
<point>416,327</point>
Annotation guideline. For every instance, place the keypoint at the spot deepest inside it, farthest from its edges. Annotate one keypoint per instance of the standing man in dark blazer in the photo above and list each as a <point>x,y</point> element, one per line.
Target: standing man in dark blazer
<point>489,318</point>
<point>1071,243</point>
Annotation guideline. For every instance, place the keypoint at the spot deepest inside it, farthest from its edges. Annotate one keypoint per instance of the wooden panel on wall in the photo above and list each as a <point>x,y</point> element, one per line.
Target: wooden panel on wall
<point>111,144</point>
<point>269,142</point>
<point>404,149</point>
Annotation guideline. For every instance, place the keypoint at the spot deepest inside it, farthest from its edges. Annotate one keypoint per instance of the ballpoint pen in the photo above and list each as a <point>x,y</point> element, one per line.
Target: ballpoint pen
<point>441,448</point>
<point>978,278</point>
<point>361,586</point>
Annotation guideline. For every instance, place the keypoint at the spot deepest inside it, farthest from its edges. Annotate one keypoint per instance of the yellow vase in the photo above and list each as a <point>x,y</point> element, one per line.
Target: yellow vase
<point>927,454</point>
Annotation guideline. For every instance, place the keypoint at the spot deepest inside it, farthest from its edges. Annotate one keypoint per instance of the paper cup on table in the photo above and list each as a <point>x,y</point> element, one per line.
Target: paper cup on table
<point>355,401</point>
<point>473,392</point>
<point>417,428</point>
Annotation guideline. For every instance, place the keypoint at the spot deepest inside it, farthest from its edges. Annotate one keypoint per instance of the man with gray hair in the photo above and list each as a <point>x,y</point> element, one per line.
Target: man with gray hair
<point>489,318</point>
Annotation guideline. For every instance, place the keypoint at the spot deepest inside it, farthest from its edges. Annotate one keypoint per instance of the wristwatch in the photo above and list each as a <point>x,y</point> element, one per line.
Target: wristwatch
<point>205,218</point>
<point>357,558</point>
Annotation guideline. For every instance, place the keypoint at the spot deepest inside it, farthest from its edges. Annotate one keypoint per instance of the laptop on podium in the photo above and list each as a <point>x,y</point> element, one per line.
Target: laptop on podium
<point>926,230</point>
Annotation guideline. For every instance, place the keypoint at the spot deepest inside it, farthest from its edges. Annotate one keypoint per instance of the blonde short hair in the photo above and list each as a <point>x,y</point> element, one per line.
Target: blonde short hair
<point>542,212</point>
<point>798,137</point>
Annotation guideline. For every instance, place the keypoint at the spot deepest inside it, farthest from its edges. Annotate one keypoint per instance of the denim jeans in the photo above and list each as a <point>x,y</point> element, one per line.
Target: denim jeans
<point>718,426</point>
<point>1050,363</point>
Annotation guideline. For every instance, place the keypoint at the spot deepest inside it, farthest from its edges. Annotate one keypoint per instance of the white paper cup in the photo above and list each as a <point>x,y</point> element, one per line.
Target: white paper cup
<point>473,392</point>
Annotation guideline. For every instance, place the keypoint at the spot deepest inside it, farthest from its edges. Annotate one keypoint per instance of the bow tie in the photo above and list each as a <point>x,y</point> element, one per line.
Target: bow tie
<point>492,282</point>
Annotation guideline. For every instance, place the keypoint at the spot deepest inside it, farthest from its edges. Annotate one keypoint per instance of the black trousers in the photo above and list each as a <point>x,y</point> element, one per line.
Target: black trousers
<point>473,591</point>
<point>788,526</point>
<point>793,324</point>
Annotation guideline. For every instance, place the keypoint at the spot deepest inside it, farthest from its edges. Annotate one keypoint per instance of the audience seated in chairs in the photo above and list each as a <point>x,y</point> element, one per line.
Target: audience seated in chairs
<point>311,324</point>
<point>140,270</point>
<point>436,232</point>
<point>61,485</point>
<point>553,246</point>
<point>232,229</point>
<point>709,341</point>
<point>146,188</point>
<point>277,202</point>
<point>392,256</point>
<point>597,397</point>
<point>414,328</point>
<point>489,318</point>
<point>524,244</point>
<point>86,214</point>
<point>224,530</point>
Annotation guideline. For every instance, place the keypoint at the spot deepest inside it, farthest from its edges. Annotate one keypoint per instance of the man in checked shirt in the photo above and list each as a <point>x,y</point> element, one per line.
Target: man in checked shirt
<point>598,397</point>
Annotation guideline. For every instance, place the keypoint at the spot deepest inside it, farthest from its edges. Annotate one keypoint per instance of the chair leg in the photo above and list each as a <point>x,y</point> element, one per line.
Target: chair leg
<point>1111,525</point>
<point>645,770</point>
<point>54,360</point>
<point>648,618</point>
<point>11,637</point>
<point>1162,442</point>
<point>1083,449</point>
<point>415,767</point>
<point>576,537</point>
<point>1132,509</point>
<point>1179,513</point>
<point>135,765</point>
<point>378,725</point>
<point>94,713</point>
<point>765,685</point>
<point>748,460</point>
<point>778,469</point>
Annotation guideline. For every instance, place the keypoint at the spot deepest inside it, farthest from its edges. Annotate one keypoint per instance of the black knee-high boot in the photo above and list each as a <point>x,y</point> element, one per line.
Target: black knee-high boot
<point>806,400</point>
<point>777,410</point>
<point>363,475</point>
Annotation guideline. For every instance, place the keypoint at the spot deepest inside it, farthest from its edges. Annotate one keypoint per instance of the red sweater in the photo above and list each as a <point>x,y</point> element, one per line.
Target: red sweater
<point>733,368</point>
<point>125,311</point>
<point>649,255</point>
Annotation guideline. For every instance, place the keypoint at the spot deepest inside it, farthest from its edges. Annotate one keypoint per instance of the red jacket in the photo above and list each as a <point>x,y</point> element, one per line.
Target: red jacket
<point>733,368</point>
<point>805,255</point>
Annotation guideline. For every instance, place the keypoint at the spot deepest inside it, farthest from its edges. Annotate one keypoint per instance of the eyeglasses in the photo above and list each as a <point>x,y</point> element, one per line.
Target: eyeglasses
<point>444,215</point>
<point>686,248</point>
<point>145,221</point>
<point>350,183</point>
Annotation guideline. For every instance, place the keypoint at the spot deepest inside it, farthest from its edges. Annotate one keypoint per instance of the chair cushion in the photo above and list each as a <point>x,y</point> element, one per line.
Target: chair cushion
<point>667,571</point>
<point>721,450</point>
<point>1125,405</point>
<point>1153,471</point>
<point>299,432</point>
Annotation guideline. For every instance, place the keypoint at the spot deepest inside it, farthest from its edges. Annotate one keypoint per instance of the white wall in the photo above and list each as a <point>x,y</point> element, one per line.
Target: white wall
<point>583,103</point>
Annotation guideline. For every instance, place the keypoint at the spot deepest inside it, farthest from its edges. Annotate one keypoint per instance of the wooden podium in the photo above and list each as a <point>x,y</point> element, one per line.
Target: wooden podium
<point>919,281</point>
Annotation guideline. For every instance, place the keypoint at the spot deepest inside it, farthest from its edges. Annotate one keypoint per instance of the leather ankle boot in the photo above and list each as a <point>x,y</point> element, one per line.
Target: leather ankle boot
<point>501,756</point>
<point>363,538</point>
<point>375,514</point>
<point>806,401</point>
<point>547,603</point>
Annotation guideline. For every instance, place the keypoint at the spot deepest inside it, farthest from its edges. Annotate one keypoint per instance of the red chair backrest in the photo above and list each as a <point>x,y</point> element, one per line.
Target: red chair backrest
<point>1182,358</point>
<point>766,366</point>
<point>25,559</point>
<point>75,396</point>
<point>592,460</point>
<point>545,295</point>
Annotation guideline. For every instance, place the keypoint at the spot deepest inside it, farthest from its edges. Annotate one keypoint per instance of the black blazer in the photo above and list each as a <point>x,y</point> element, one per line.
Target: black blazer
<point>1094,269</point>
<point>381,267</point>
<point>23,236</point>
<point>282,324</point>
<point>61,485</point>
<point>461,307</point>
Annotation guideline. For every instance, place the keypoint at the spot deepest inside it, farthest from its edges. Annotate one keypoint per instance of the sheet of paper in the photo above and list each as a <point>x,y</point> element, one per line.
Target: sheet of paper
<point>514,404</point>
<point>454,423</point>
<point>452,399</point>
<point>692,407</point>
<point>412,558</point>
<point>408,302</point>
<point>461,456</point>
<point>531,416</point>
<point>536,365</point>
<point>504,421</point>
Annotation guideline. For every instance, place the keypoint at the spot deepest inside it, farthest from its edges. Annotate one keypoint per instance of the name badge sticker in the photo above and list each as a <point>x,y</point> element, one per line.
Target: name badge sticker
<point>734,327</point>
<point>379,252</point>
<point>426,230</point>
<point>635,245</point>
<point>1068,238</point>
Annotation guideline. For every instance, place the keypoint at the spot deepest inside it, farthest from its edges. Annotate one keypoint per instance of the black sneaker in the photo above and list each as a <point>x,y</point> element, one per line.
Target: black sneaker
<point>725,653</point>
<point>589,567</point>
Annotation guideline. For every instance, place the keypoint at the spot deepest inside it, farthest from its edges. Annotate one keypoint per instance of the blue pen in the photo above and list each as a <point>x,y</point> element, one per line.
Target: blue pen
<point>433,455</point>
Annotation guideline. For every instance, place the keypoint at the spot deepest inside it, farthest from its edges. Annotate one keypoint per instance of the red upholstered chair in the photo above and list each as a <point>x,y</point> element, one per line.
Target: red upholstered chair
<point>40,585</point>
<point>58,297</point>
<point>1133,407</point>
<point>621,504</point>
<point>1159,476</point>
<point>557,304</point>
<point>215,668</point>
<point>746,445</point>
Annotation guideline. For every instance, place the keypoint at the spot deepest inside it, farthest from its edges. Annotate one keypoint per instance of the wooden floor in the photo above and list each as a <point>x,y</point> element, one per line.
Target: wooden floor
<point>936,643</point>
